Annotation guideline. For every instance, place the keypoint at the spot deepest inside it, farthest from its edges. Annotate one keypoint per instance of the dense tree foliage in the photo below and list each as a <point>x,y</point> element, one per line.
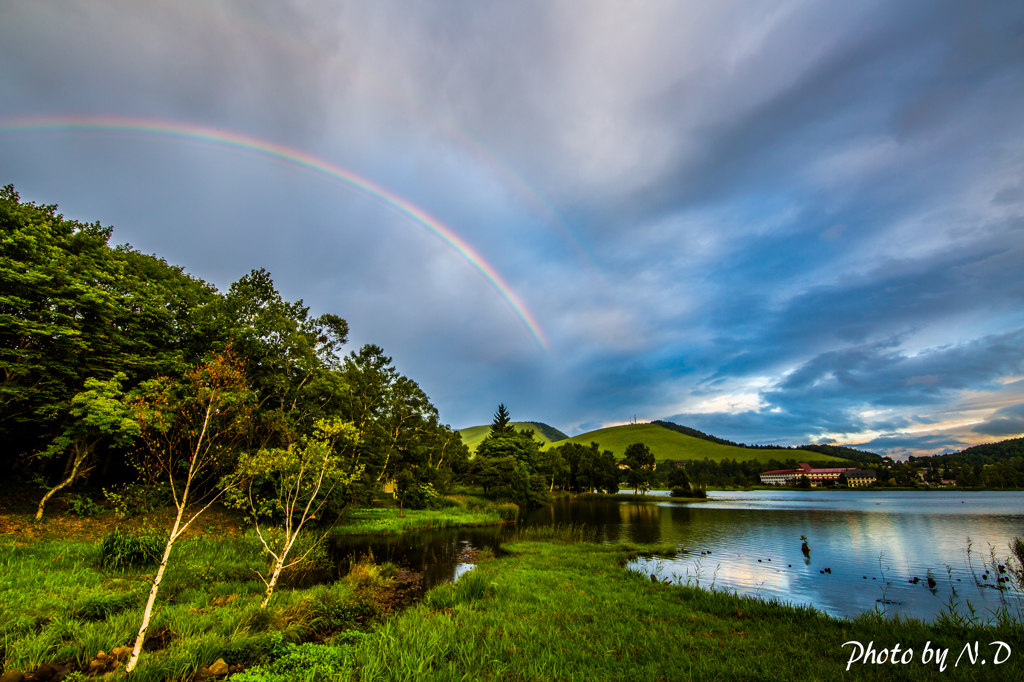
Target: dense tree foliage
<point>76,313</point>
<point>508,463</point>
<point>588,469</point>
<point>678,482</point>
<point>993,465</point>
<point>640,465</point>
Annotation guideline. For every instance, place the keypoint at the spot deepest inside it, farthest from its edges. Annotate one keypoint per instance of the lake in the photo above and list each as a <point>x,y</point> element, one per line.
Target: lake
<point>866,547</point>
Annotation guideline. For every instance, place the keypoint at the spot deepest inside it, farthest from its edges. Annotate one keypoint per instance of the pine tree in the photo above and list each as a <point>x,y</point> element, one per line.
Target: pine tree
<point>501,421</point>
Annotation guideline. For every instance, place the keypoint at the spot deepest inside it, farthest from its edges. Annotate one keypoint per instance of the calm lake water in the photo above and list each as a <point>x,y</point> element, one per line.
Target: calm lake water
<point>866,546</point>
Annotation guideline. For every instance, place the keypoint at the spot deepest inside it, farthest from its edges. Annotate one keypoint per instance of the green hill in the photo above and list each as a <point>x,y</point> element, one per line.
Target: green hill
<point>671,444</point>
<point>473,435</point>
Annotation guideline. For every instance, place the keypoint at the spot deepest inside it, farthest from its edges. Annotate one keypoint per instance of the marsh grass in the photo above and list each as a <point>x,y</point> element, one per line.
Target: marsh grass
<point>569,610</point>
<point>393,521</point>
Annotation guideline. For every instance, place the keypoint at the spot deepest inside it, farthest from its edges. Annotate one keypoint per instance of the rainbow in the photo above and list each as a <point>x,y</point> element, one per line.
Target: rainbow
<point>299,159</point>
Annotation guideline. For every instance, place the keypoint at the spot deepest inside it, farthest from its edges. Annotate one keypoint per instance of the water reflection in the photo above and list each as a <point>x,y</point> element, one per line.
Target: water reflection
<point>865,548</point>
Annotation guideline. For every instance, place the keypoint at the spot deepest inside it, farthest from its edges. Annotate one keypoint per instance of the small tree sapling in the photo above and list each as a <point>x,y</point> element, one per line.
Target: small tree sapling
<point>294,484</point>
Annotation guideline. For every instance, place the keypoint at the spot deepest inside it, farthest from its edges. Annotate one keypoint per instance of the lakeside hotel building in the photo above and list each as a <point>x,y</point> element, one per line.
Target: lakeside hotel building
<point>854,477</point>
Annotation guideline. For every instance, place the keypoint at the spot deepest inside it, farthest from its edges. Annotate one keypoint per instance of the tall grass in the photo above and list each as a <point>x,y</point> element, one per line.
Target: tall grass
<point>393,521</point>
<point>58,603</point>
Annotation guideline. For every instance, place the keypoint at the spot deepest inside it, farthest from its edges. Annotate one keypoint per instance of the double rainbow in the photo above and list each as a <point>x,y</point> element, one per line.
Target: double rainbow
<point>293,157</point>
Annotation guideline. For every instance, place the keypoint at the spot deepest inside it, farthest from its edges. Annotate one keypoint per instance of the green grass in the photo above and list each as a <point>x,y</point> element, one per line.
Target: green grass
<point>668,444</point>
<point>57,604</point>
<point>554,607</point>
<point>556,610</point>
<point>474,435</point>
<point>391,521</point>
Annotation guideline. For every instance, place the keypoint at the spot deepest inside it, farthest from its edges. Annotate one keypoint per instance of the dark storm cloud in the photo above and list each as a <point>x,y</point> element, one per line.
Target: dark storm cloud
<point>1005,423</point>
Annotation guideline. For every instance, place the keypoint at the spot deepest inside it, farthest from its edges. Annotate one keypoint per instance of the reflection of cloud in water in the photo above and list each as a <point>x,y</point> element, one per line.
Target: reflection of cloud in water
<point>913,532</point>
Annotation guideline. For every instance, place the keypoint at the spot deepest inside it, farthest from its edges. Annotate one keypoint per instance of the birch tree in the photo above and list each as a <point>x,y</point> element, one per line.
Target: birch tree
<point>192,429</point>
<point>294,484</point>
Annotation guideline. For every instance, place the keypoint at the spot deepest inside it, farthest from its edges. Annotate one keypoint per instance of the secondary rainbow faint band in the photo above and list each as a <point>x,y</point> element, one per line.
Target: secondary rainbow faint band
<point>295,157</point>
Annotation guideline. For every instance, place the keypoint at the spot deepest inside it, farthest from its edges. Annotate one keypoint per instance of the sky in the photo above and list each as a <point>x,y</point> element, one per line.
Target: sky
<point>776,222</point>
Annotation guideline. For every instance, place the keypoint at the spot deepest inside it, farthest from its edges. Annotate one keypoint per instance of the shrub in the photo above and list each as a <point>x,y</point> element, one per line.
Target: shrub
<point>508,511</point>
<point>330,616</point>
<point>304,662</point>
<point>120,550</point>
<point>261,648</point>
<point>134,498</point>
<point>80,505</point>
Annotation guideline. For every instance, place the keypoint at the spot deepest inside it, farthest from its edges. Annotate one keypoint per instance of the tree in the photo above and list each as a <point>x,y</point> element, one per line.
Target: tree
<point>640,461</point>
<point>678,482</point>
<point>500,424</point>
<point>97,413</point>
<point>610,471</point>
<point>301,479</point>
<point>56,306</point>
<point>508,462</point>
<point>554,467</point>
<point>291,358</point>
<point>398,425</point>
<point>191,428</point>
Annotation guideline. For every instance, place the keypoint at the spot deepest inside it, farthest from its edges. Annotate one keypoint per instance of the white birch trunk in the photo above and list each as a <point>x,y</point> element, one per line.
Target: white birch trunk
<point>278,567</point>
<point>140,639</point>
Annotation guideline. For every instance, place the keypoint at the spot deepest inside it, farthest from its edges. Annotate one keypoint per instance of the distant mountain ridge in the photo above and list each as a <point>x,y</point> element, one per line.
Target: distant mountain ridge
<point>989,453</point>
<point>673,441</point>
<point>838,451</point>
<point>668,443</point>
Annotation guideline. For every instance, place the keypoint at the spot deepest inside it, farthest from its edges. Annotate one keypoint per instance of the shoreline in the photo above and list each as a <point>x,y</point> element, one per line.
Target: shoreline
<point>550,607</point>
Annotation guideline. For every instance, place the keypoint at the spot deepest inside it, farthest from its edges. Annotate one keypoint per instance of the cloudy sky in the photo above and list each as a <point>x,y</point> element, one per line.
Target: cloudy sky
<point>778,222</point>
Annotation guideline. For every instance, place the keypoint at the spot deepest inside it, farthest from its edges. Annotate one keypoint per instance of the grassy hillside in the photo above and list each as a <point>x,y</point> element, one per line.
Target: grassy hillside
<point>669,444</point>
<point>473,435</point>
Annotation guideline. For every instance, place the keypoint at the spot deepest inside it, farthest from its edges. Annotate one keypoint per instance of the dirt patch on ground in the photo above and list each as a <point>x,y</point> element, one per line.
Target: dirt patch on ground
<point>17,521</point>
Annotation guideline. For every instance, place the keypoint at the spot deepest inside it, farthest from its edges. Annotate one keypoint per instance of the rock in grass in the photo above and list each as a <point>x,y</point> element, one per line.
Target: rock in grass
<point>121,653</point>
<point>13,675</point>
<point>219,668</point>
<point>45,672</point>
